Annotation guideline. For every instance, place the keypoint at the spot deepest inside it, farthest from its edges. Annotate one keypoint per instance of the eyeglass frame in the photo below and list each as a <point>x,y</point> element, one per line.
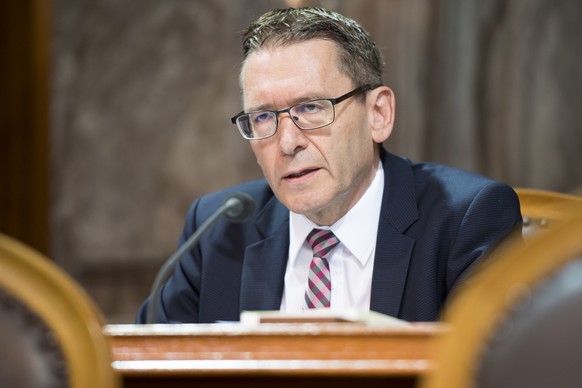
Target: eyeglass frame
<point>334,102</point>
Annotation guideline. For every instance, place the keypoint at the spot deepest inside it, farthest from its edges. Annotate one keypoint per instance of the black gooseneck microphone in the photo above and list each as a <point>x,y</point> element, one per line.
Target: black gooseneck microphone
<point>237,207</point>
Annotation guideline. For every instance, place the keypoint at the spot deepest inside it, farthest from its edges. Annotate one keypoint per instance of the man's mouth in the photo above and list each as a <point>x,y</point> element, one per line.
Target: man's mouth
<point>300,173</point>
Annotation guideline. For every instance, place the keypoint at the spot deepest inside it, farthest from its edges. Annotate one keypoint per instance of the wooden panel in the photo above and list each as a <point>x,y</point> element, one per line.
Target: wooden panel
<point>233,354</point>
<point>24,144</point>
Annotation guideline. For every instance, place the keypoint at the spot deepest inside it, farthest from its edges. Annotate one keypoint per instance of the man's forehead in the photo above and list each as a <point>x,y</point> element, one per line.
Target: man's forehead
<point>265,87</point>
<point>316,57</point>
<point>315,49</point>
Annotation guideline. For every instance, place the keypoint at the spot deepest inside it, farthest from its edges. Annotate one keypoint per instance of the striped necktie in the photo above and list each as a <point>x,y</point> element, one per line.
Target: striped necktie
<point>318,293</point>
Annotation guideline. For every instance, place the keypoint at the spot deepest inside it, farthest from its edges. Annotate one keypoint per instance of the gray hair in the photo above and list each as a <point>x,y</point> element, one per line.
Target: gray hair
<point>359,57</point>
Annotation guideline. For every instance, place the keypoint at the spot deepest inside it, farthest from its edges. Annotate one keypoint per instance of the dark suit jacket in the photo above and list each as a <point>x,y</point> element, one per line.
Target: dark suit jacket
<point>435,222</point>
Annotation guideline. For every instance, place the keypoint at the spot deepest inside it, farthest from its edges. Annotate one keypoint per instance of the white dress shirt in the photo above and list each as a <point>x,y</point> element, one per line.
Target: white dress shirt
<point>351,262</point>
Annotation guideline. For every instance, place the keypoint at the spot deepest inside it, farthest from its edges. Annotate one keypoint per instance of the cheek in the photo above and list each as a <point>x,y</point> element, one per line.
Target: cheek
<point>258,151</point>
<point>345,147</point>
<point>262,157</point>
<point>354,152</point>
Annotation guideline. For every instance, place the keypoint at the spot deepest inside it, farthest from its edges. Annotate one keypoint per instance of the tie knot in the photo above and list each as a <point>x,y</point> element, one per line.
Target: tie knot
<point>322,242</point>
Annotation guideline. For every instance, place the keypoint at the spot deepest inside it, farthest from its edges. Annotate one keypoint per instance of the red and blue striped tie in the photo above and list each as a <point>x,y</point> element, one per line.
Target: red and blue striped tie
<point>318,293</point>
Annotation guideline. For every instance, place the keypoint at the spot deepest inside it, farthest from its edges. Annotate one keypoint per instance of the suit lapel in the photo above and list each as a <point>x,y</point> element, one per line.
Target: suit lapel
<point>393,248</point>
<point>266,260</point>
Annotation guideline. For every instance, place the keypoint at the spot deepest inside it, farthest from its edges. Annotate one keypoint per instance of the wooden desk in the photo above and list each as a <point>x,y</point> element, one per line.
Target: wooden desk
<point>282,355</point>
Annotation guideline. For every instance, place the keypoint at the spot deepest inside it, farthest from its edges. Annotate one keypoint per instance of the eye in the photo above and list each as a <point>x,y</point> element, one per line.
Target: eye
<point>262,117</point>
<point>310,107</point>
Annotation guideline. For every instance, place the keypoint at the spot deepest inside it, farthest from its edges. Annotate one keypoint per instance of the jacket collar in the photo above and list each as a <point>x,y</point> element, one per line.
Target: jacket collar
<point>393,248</point>
<point>265,261</point>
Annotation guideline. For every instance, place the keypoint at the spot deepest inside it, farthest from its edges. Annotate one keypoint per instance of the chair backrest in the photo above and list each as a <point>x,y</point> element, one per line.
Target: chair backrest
<point>50,330</point>
<point>542,209</point>
<point>517,322</point>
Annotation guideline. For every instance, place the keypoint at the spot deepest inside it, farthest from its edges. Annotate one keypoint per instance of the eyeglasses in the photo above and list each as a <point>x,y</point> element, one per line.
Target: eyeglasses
<point>306,115</point>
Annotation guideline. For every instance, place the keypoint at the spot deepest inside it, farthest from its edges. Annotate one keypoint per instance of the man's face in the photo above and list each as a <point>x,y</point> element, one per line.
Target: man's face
<point>319,173</point>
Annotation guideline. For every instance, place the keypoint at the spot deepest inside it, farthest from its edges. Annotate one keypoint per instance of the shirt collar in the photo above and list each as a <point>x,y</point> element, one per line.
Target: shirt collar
<point>357,229</point>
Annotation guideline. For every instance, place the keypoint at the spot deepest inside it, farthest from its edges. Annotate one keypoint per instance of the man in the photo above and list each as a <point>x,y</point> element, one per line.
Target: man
<point>316,113</point>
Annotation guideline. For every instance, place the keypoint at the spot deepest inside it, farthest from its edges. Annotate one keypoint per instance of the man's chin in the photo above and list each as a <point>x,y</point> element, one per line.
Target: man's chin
<point>303,206</point>
<point>312,209</point>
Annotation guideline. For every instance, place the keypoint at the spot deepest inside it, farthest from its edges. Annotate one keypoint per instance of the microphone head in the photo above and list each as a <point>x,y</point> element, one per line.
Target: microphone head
<point>240,206</point>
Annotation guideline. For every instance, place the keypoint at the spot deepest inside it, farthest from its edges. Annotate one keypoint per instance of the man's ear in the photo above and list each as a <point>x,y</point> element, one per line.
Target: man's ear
<point>381,104</point>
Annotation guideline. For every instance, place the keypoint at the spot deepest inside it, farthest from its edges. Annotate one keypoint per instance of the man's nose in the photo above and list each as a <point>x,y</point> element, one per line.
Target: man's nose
<point>291,138</point>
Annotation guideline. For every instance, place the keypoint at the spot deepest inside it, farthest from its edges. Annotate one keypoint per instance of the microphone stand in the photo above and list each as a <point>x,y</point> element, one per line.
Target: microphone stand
<point>163,273</point>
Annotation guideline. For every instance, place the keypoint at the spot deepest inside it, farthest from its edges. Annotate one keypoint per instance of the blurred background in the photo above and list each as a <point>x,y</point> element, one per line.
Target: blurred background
<point>114,114</point>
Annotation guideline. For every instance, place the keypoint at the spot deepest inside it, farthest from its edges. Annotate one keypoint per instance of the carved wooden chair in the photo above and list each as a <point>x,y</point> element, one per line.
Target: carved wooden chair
<point>50,331</point>
<point>542,209</point>
<point>518,322</point>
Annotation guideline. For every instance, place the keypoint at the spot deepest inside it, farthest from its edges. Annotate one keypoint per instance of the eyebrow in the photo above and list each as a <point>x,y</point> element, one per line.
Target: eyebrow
<point>295,101</point>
